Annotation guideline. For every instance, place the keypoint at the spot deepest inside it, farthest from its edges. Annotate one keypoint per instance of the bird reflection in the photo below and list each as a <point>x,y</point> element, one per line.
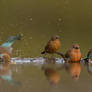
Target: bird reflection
<point>89,67</point>
<point>73,69</point>
<point>51,74</point>
<point>88,61</point>
<point>6,74</point>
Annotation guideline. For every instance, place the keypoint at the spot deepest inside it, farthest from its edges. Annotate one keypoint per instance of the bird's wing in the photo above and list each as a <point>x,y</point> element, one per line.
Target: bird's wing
<point>67,55</point>
<point>11,40</point>
<point>89,55</point>
<point>47,46</point>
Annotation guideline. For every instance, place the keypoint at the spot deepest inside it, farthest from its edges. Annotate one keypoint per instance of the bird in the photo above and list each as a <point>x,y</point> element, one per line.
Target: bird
<point>74,53</point>
<point>88,61</point>
<point>89,56</point>
<point>53,45</point>
<point>4,57</point>
<point>6,48</point>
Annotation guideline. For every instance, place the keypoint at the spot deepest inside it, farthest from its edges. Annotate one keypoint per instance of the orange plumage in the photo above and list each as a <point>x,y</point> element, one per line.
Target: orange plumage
<point>74,54</point>
<point>74,70</point>
<point>6,58</point>
<point>6,50</point>
<point>52,76</point>
<point>52,46</point>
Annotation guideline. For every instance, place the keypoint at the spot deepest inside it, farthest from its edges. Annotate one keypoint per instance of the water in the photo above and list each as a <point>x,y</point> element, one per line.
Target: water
<point>46,76</point>
<point>37,21</point>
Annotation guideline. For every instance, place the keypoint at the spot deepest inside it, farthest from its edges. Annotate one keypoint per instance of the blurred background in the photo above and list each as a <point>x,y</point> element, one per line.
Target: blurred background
<point>38,20</point>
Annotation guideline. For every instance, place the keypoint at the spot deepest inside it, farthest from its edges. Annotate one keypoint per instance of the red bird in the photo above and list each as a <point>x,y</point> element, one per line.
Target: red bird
<point>74,53</point>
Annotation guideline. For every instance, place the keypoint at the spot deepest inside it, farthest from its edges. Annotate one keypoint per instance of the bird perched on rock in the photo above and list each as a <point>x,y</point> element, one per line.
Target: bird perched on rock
<point>89,56</point>
<point>74,53</point>
<point>6,48</point>
<point>52,46</point>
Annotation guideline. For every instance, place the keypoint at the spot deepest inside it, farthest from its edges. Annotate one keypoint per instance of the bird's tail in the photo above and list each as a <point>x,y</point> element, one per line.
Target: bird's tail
<point>86,59</point>
<point>43,52</point>
<point>11,40</point>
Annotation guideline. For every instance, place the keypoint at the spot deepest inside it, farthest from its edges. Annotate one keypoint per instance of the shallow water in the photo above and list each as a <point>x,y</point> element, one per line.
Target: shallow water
<point>48,76</point>
<point>37,21</point>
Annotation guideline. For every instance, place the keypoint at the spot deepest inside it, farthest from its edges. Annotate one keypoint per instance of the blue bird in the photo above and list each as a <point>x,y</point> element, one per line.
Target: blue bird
<point>6,48</point>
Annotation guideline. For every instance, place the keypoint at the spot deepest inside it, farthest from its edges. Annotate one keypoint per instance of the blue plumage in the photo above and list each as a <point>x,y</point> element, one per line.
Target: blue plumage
<point>10,80</point>
<point>11,40</point>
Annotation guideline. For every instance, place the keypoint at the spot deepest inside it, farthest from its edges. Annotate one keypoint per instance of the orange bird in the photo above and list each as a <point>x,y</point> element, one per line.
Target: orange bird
<point>52,46</point>
<point>6,48</point>
<point>74,53</point>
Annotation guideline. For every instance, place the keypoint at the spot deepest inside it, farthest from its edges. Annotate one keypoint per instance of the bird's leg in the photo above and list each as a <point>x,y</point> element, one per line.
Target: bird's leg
<point>52,56</point>
<point>45,55</point>
<point>67,60</point>
<point>61,54</point>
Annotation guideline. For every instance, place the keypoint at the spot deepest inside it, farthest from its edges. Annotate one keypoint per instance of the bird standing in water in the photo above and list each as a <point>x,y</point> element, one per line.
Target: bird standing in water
<point>6,48</point>
<point>74,54</point>
<point>89,56</point>
<point>52,46</point>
